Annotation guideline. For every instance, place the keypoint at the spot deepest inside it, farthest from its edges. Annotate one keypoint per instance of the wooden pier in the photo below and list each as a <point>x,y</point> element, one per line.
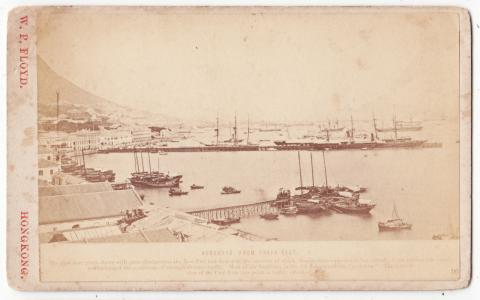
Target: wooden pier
<point>239,211</point>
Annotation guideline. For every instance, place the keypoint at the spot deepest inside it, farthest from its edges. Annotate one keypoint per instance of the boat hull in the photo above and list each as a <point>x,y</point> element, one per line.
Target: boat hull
<point>226,222</point>
<point>167,183</point>
<point>353,210</point>
<point>383,227</point>
<point>269,217</point>
<point>309,208</point>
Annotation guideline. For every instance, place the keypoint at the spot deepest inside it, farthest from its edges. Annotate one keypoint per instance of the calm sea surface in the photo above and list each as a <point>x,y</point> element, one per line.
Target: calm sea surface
<point>422,182</point>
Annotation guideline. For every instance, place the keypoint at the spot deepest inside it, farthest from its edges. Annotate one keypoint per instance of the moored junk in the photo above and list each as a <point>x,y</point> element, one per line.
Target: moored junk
<point>78,168</point>
<point>227,190</point>
<point>311,206</point>
<point>353,205</point>
<point>151,179</point>
<point>100,176</point>
<point>395,223</point>
<point>341,199</point>
<point>122,186</point>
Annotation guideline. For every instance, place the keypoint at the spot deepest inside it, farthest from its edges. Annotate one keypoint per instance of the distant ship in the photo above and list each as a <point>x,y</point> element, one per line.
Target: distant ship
<point>403,126</point>
<point>352,143</point>
<point>335,128</point>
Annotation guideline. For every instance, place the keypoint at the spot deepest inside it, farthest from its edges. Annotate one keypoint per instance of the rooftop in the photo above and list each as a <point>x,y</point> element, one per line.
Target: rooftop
<point>55,190</point>
<point>86,206</point>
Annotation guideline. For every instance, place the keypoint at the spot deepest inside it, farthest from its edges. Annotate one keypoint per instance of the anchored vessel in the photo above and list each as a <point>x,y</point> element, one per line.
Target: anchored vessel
<point>341,198</point>
<point>151,179</point>
<point>354,206</point>
<point>351,143</point>
<point>395,223</point>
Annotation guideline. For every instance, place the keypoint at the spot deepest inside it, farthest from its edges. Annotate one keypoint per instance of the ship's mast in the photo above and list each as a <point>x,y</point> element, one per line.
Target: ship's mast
<point>352,133</point>
<point>325,169</point>
<point>235,130</point>
<point>300,169</point>
<point>84,168</point>
<point>375,126</point>
<point>395,212</point>
<point>217,131</point>
<point>248,130</point>
<point>149,163</point>
<point>135,160</point>
<point>311,165</point>
<point>141,156</point>
<point>395,126</point>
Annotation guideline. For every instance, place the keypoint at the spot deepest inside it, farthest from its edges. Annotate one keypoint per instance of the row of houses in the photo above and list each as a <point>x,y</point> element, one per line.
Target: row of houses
<point>95,140</point>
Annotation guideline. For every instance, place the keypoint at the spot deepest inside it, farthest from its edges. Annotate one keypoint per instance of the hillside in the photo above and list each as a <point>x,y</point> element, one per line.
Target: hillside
<point>76,101</point>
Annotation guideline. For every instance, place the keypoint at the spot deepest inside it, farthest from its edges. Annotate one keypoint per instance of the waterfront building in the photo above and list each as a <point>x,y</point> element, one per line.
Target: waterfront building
<point>110,139</point>
<point>46,170</point>
<point>141,136</point>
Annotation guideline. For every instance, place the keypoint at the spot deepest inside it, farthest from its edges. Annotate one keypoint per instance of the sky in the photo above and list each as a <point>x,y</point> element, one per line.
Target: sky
<point>272,65</point>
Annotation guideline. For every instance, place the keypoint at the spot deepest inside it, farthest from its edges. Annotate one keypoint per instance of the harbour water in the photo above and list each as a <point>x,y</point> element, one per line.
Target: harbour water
<point>423,183</point>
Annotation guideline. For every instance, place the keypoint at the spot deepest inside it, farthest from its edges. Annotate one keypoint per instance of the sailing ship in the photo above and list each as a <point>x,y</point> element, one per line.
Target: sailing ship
<point>402,126</point>
<point>151,179</point>
<point>323,198</point>
<point>269,128</point>
<point>351,143</point>
<point>304,202</point>
<point>335,128</point>
<point>232,141</point>
<point>395,223</point>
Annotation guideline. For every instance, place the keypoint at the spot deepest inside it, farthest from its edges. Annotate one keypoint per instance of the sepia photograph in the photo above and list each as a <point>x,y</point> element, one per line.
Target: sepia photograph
<point>235,127</point>
<point>196,144</point>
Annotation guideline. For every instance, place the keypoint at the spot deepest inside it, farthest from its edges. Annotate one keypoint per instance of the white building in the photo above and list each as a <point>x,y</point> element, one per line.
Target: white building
<point>110,139</point>
<point>46,170</point>
<point>140,136</point>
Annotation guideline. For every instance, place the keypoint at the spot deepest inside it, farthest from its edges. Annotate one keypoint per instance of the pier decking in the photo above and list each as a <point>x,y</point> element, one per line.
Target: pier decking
<point>237,211</point>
